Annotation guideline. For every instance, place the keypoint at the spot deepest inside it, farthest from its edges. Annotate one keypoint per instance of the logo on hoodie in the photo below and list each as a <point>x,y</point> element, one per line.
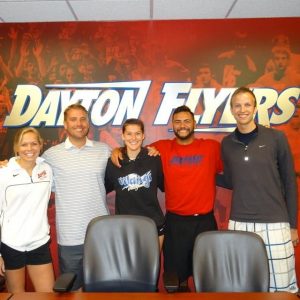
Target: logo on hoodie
<point>134,181</point>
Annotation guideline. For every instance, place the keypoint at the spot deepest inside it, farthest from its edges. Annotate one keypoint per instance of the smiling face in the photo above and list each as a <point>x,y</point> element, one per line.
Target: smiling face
<point>243,109</point>
<point>183,126</point>
<point>28,147</point>
<point>133,137</point>
<point>76,124</point>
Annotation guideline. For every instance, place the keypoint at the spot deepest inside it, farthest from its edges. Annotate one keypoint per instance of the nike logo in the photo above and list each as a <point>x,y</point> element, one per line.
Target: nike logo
<point>261,146</point>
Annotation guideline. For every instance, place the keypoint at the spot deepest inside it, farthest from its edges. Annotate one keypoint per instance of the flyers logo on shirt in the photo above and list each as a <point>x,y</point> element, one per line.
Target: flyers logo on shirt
<point>42,175</point>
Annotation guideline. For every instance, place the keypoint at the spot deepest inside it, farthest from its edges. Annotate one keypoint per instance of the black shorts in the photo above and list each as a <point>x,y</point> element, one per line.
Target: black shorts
<point>14,259</point>
<point>180,235</point>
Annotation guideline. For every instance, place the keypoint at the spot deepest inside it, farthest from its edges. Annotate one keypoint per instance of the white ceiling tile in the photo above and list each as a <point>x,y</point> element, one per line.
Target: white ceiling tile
<point>265,9</point>
<point>111,9</point>
<point>191,9</point>
<point>106,10</point>
<point>35,11</point>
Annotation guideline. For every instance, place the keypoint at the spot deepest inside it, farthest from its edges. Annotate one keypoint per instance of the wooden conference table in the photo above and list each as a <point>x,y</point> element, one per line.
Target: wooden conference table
<point>153,296</point>
<point>5,296</point>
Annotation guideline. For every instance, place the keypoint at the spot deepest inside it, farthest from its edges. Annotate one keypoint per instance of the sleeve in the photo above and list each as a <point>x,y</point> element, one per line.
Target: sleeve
<point>157,145</point>
<point>3,183</point>
<point>52,184</point>
<point>225,180</point>
<point>219,166</point>
<point>108,151</point>
<point>221,182</point>
<point>45,156</point>
<point>160,175</point>
<point>4,175</point>
<point>108,181</point>
<point>288,177</point>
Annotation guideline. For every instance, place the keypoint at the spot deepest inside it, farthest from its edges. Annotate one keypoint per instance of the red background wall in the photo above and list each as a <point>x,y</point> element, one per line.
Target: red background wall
<point>160,51</point>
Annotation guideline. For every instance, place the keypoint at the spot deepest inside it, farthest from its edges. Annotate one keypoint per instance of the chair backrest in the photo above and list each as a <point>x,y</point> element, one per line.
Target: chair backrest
<point>230,261</point>
<point>121,254</point>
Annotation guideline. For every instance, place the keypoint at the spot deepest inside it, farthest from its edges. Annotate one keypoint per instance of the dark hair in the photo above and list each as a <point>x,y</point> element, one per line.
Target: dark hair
<point>182,108</point>
<point>133,121</point>
<point>74,106</point>
<point>243,90</point>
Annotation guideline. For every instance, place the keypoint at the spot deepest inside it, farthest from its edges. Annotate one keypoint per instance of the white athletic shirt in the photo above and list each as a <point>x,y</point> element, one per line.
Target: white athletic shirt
<point>23,205</point>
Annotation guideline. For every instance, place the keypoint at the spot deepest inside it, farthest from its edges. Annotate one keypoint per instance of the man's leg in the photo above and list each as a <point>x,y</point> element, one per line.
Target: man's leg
<point>177,249</point>
<point>70,260</point>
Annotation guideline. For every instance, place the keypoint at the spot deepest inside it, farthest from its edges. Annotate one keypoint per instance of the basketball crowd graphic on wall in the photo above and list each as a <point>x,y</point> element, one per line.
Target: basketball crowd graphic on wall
<point>145,69</point>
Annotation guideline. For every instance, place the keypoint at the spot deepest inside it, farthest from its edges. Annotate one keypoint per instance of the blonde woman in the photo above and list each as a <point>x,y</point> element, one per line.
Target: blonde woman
<point>25,187</point>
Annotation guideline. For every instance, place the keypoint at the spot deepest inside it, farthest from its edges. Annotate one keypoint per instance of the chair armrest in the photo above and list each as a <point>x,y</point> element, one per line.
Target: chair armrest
<point>171,282</point>
<point>64,282</point>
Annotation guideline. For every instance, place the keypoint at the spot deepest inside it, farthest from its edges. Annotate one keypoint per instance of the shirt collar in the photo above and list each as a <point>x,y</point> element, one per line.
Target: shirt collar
<point>13,162</point>
<point>69,145</point>
<point>142,153</point>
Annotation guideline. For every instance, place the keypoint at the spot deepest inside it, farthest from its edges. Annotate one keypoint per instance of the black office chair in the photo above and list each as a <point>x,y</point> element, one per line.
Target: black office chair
<point>121,254</point>
<point>230,261</point>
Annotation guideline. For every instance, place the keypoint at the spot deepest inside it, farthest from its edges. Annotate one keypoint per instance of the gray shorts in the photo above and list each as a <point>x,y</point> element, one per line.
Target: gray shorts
<point>70,260</point>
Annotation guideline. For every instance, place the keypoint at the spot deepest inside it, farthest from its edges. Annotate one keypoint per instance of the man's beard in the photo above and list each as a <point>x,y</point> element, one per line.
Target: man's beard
<point>184,138</point>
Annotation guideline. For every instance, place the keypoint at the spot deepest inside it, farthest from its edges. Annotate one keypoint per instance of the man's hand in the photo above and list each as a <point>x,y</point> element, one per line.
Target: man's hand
<point>294,236</point>
<point>152,151</point>
<point>116,154</point>
<point>3,163</point>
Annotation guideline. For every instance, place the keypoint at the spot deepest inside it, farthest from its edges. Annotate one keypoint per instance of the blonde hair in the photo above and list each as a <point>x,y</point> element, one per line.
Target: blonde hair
<point>19,136</point>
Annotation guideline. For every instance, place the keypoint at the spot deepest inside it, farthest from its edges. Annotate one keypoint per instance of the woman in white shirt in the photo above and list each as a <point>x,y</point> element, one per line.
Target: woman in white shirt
<point>25,187</point>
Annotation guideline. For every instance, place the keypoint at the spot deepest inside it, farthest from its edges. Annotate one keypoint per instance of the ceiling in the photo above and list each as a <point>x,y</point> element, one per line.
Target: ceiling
<point>113,10</point>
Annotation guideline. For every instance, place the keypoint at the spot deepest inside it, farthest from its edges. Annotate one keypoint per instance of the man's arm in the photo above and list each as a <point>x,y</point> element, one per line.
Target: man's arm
<point>221,182</point>
<point>160,175</point>
<point>224,179</point>
<point>288,179</point>
<point>109,185</point>
<point>116,156</point>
